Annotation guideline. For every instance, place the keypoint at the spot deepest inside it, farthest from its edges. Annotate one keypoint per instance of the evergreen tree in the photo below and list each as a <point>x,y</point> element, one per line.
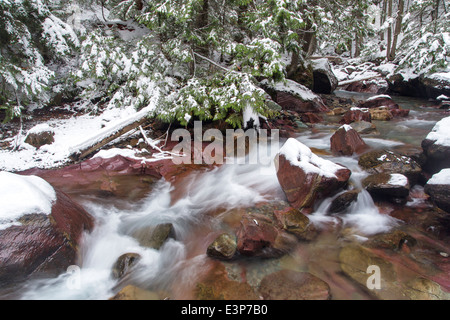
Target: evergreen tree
<point>31,38</point>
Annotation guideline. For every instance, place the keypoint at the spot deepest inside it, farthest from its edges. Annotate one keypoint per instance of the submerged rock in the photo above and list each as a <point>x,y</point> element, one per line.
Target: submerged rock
<point>293,285</point>
<point>363,127</point>
<point>296,223</point>
<point>381,114</point>
<point>305,177</point>
<point>124,264</point>
<point>259,237</point>
<point>223,247</point>
<point>134,293</point>
<point>343,201</point>
<point>154,236</point>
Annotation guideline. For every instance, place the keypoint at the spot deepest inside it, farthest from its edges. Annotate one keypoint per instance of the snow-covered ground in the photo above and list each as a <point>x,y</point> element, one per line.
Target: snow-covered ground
<point>70,136</point>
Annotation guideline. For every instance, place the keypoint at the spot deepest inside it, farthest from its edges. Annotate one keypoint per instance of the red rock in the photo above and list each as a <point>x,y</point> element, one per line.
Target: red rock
<point>346,141</point>
<point>400,112</point>
<point>379,101</point>
<point>305,177</point>
<point>354,116</point>
<point>43,245</point>
<point>290,102</point>
<point>310,117</point>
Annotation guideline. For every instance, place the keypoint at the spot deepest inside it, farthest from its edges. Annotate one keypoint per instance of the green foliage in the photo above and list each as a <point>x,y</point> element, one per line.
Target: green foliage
<point>30,34</point>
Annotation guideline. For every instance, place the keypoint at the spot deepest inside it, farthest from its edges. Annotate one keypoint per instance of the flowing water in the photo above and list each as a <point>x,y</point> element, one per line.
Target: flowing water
<point>210,203</point>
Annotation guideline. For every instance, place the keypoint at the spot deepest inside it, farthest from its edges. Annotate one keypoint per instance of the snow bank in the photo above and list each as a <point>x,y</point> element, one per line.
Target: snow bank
<point>441,132</point>
<point>301,156</point>
<point>20,195</point>
<point>442,177</point>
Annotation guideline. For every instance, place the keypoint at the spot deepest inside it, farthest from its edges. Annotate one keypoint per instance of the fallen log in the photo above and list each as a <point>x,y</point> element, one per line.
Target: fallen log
<point>343,83</point>
<point>108,134</point>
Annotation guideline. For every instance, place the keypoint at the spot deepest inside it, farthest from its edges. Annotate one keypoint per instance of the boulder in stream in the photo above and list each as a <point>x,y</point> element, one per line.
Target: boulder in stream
<point>386,161</point>
<point>305,177</point>
<point>42,228</point>
<point>436,147</point>
<point>346,141</point>
<point>438,187</point>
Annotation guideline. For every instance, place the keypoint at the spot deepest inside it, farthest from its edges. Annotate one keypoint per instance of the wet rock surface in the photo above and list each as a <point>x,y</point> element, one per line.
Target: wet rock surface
<point>43,245</point>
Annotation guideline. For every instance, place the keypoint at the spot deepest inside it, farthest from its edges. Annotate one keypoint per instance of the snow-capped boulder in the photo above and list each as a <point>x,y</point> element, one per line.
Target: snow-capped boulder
<point>346,141</point>
<point>436,146</point>
<point>438,187</point>
<point>381,100</point>
<point>40,135</point>
<point>40,228</point>
<point>294,96</point>
<point>325,80</point>
<point>393,186</point>
<point>305,177</point>
<point>386,161</point>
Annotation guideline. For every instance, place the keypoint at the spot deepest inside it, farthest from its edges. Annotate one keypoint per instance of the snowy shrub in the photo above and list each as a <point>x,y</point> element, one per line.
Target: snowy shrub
<point>29,33</point>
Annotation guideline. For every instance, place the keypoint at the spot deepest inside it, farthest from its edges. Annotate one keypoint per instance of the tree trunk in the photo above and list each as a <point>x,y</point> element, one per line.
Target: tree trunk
<point>383,19</point>
<point>389,31</point>
<point>398,29</point>
<point>200,23</point>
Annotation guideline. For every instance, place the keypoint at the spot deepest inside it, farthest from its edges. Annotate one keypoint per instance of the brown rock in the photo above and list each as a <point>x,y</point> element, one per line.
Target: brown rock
<point>346,141</point>
<point>356,115</point>
<point>295,222</point>
<point>131,292</point>
<point>258,236</point>
<point>343,201</point>
<point>124,264</point>
<point>292,285</point>
<point>37,140</point>
<point>43,245</point>
<point>381,114</point>
<point>223,247</point>
<point>305,177</point>
<point>310,117</point>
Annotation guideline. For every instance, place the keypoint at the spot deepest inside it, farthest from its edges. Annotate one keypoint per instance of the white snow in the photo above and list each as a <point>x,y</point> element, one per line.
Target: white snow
<point>301,156</point>
<point>43,127</point>
<point>398,180</point>
<point>442,97</point>
<point>441,132</point>
<point>441,76</point>
<point>71,135</point>
<point>20,195</point>
<point>346,127</point>
<point>249,114</point>
<point>293,88</point>
<point>378,97</point>
<point>442,177</point>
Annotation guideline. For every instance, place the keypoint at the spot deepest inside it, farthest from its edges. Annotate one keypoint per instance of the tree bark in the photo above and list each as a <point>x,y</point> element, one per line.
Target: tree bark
<point>398,29</point>
<point>389,31</point>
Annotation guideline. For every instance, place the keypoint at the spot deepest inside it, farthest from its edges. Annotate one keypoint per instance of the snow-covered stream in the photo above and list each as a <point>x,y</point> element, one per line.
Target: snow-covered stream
<point>177,266</point>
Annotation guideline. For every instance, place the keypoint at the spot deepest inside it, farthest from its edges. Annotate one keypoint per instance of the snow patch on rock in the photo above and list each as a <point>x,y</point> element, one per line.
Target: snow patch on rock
<point>20,195</point>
